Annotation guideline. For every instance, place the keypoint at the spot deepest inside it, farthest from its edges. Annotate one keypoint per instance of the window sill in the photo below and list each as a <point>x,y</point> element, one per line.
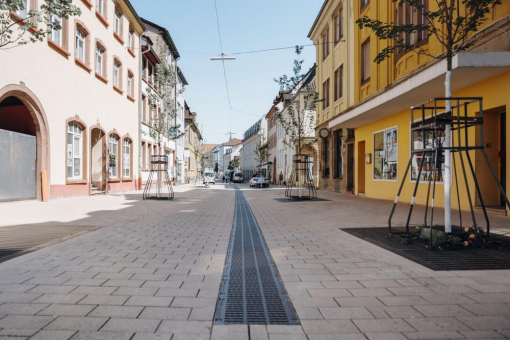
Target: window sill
<point>119,39</point>
<point>76,181</point>
<point>366,81</point>
<point>118,90</point>
<point>59,49</point>
<point>131,98</point>
<point>100,77</point>
<point>132,53</point>
<point>102,19</point>
<point>114,180</point>
<point>87,3</point>
<point>127,179</point>
<point>82,65</point>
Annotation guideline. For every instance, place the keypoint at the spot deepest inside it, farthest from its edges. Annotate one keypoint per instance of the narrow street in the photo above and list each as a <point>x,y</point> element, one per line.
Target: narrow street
<point>154,269</point>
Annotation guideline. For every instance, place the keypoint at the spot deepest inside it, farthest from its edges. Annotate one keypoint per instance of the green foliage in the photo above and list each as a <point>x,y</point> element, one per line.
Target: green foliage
<point>33,25</point>
<point>163,102</point>
<point>261,154</point>
<point>449,24</point>
<point>297,117</point>
<point>234,163</point>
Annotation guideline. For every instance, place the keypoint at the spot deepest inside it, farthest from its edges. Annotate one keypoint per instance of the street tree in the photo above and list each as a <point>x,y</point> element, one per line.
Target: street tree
<point>452,23</point>
<point>261,154</point>
<point>20,25</point>
<point>297,117</point>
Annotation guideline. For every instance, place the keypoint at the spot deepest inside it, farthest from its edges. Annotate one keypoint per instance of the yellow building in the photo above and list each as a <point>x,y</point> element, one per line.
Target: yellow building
<point>383,94</point>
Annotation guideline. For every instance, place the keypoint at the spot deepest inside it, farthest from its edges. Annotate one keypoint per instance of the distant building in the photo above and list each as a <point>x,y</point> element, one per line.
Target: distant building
<point>192,141</point>
<point>254,137</point>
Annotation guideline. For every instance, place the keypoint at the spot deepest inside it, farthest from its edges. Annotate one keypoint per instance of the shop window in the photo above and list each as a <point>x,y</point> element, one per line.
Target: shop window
<point>424,140</point>
<point>338,154</point>
<point>114,156</point>
<point>126,156</point>
<point>74,151</point>
<point>365,61</point>
<point>386,155</point>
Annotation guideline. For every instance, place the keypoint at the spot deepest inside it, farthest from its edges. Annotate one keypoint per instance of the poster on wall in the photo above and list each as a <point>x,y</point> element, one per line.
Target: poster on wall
<point>69,154</point>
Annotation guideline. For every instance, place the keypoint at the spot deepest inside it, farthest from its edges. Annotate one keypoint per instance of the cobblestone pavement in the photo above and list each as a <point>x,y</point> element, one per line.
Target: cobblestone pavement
<point>153,272</point>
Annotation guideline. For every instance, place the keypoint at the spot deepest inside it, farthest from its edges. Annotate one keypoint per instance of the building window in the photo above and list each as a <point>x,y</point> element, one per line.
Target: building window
<point>339,29</point>
<point>130,84</point>
<point>325,44</point>
<point>325,93</point>
<point>144,110</point>
<point>126,169</point>
<point>386,155</point>
<point>56,31</point>
<point>325,157</point>
<point>117,27</point>
<point>408,14</point>
<point>338,154</point>
<point>363,4</point>
<point>339,77</point>
<point>80,45</point>
<point>365,61</point>
<point>100,7</point>
<point>131,37</point>
<point>23,9</point>
<point>74,151</point>
<point>117,74</point>
<point>114,159</point>
<point>100,60</point>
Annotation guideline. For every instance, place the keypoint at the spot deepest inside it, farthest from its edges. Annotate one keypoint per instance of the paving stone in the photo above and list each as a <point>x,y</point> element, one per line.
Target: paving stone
<point>151,336</point>
<point>481,334</point>
<point>135,291</point>
<point>328,326</point>
<point>131,325</point>
<point>316,293</point>
<point>165,313</point>
<point>202,314</point>
<point>123,283</point>
<point>258,332</point>
<point>486,322</point>
<point>104,300</point>
<point>444,324</point>
<point>346,313</point>
<point>309,313</point>
<point>86,290</point>
<point>397,312</point>
<point>287,337</point>
<point>403,301</point>
<point>154,301</point>
<point>284,329</point>
<point>380,284</point>
<point>449,299</point>
<point>315,302</point>
<point>117,311</point>
<point>337,337</point>
<point>193,302</point>
<point>486,309</point>
<point>433,335</point>
<point>370,292</point>
<point>87,335</point>
<point>186,327</point>
<point>443,310</point>
<point>15,288</point>
<point>230,332</point>
<point>75,323</point>
<point>383,325</point>
<point>359,302</point>
<point>25,322</point>
<point>60,298</point>
<point>66,310</point>
<point>53,335</point>
<point>21,308</point>
<point>18,297</point>
<point>385,336</point>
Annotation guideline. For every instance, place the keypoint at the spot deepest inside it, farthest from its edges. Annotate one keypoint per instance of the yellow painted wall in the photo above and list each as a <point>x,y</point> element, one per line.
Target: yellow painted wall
<point>388,71</point>
<point>495,94</point>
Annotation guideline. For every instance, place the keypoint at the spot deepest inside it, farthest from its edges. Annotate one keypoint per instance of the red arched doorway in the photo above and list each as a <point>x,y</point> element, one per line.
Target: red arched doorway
<point>24,150</point>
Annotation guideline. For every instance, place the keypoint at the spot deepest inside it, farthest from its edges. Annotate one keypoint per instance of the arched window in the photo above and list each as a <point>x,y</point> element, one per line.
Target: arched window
<point>126,156</point>
<point>130,85</point>
<point>114,156</point>
<point>74,151</point>
<point>117,74</point>
<point>80,45</point>
<point>100,60</point>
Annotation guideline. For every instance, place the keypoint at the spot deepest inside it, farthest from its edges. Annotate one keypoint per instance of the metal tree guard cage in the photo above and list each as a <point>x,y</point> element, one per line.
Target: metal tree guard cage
<point>159,165</point>
<point>428,123</point>
<point>300,171</point>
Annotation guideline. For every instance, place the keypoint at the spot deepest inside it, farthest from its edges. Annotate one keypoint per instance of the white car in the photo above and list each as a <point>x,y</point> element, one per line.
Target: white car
<point>209,178</point>
<point>259,181</point>
<point>238,177</point>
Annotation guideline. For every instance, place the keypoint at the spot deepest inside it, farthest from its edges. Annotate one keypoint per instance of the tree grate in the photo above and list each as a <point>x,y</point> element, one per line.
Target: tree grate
<point>495,255</point>
<point>252,291</point>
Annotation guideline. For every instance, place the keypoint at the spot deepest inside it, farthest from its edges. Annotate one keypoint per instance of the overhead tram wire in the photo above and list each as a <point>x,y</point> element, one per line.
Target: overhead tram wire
<point>224,68</point>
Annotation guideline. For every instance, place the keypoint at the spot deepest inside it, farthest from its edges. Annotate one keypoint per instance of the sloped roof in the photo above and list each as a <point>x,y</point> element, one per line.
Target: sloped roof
<point>208,147</point>
<point>233,142</point>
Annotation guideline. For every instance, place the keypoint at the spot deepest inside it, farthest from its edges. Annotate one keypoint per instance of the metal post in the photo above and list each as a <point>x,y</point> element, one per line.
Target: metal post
<point>399,192</point>
<point>414,193</point>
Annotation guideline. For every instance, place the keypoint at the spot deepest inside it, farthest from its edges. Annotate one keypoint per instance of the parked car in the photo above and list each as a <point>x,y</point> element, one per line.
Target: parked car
<point>259,181</point>
<point>238,177</point>
<point>209,178</point>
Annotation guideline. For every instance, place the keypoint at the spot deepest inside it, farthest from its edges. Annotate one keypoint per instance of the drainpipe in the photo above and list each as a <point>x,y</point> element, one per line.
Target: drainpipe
<point>140,110</point>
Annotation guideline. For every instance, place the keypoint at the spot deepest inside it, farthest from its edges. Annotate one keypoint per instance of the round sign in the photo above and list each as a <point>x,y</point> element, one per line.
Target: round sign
<point>324,133</point>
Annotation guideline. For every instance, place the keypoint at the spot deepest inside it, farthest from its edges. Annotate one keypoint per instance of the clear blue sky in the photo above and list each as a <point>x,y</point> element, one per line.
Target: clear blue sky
<point>245,25</point>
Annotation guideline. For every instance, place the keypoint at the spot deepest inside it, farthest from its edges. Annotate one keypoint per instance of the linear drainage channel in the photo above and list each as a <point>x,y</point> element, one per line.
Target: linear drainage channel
<point>252,291</point>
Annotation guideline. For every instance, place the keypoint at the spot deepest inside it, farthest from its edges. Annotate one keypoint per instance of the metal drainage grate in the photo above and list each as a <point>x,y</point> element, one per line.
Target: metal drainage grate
<point>252,291</point>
